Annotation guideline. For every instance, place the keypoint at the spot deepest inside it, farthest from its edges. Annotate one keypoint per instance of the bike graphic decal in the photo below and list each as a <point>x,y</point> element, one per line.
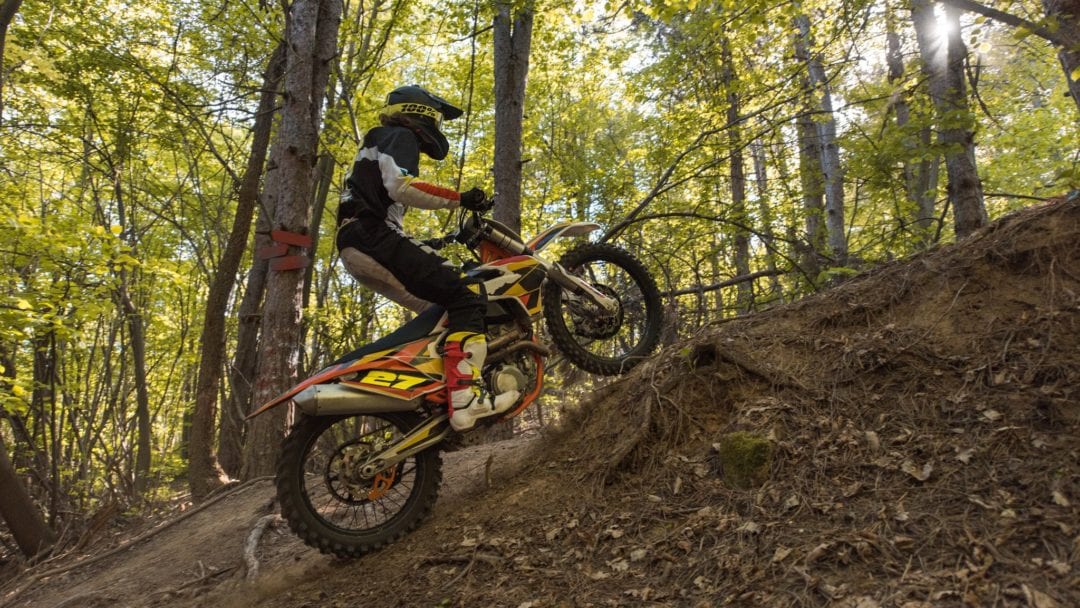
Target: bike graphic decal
<point>527,275</point>
<point>392,379</point>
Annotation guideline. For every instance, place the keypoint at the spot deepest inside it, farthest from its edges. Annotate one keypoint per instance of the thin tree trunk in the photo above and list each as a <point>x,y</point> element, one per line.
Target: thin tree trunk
<point>43,404</point>
<point>245,361</point>
<point>511,71</point>
<point>1066,13</point>
<point>920,176</point>
<point>7,13</point>
<point>810,176</point>
<point>35,460</point>
<point>324,177</point>
<point>512,41</point>
<point>744,291</point>
<point>22,516</point>
<point>825,124</point>
<point>142,397</point>
<point>136,327</point>
<point>311,32</point>
<point>943,62</point>
<point>204,473</point>
<point>761,181</point>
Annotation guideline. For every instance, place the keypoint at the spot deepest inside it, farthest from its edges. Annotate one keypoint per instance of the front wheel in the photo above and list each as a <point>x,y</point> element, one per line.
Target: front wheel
<point>327,500</point>
<point>595,340</point>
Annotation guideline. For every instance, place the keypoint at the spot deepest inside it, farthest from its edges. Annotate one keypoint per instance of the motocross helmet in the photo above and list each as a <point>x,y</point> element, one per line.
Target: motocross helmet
<point>427,111</point>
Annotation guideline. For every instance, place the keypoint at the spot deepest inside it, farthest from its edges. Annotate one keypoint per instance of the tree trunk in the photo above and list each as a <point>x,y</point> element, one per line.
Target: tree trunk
<point>512,41</point>
<point>943,62</point>
<point>1066,13</point>
<point>511,72</point>
<point>22,516</point>
<point>825,124</point>
<point>136,326</point>
<point>761,182</point>
<point>35,460</point>
<point>920,176</point>
<point>324,177</point>
<point>142,396</point>
<point>204,474</point>
<point>245,361</point>
<point>744,291</point>
<point>43,404</point>
<point>7,13</point>
<point>311,32</point>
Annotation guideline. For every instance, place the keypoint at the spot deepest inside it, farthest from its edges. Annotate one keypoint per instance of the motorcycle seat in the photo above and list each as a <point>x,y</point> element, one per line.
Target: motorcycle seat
<point>423,325</point>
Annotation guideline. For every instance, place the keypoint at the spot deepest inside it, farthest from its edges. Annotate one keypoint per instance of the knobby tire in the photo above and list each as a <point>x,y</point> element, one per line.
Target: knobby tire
<point>564,337</point>
<point>314,530</point>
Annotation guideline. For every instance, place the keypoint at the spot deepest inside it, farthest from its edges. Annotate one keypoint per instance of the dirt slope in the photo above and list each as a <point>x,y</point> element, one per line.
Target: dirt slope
<point>924,424</point>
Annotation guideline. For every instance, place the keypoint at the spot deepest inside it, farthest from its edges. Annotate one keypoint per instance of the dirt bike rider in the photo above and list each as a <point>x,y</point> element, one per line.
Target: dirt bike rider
<point>376,251</point>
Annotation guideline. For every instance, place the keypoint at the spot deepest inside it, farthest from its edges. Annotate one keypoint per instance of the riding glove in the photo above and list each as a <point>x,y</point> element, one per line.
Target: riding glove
<point>475,200</point>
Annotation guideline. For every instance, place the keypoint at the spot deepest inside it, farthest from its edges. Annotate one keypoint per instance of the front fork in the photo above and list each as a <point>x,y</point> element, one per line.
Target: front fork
<point>428,434</point>
<point>582,288</point>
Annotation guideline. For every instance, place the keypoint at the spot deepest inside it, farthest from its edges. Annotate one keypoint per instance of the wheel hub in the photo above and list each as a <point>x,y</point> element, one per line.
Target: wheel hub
<point>595,324</point>
<point>352,478</point>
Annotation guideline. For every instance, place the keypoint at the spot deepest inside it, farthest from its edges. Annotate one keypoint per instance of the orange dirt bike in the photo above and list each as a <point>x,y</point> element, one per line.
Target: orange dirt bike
<point>362,466</point>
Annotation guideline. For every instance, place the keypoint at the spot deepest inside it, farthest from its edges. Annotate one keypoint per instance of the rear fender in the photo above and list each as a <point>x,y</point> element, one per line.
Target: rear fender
<point>326,375</point>
<point>402,374</point>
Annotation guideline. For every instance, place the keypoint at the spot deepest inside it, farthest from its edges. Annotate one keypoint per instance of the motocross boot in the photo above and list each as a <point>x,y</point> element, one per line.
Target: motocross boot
<point>463,358</point>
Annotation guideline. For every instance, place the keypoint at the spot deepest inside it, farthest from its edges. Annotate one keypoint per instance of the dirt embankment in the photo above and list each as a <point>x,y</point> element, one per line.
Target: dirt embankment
<point>923,433</point>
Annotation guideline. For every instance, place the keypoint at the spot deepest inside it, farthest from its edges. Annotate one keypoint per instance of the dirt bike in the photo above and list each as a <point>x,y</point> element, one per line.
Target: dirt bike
<point>361,467</point>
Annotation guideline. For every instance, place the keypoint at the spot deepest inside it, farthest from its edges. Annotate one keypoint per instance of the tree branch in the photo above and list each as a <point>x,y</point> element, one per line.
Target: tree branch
<point>1008,19</point>
<point>728,283</point>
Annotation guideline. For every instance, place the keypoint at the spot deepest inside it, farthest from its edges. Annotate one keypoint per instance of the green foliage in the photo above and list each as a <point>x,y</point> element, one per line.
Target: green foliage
<point>125,125</point>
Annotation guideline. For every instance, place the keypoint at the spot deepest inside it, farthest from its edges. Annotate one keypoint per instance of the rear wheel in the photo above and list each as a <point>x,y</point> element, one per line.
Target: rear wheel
<point>331,505</point>
<point>595,340</point>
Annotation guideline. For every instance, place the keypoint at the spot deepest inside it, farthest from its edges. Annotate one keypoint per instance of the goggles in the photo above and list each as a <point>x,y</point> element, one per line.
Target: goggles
<point>416,108</point>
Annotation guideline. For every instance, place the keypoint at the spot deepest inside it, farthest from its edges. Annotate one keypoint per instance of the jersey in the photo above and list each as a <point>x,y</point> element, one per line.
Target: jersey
<point>385,179</point>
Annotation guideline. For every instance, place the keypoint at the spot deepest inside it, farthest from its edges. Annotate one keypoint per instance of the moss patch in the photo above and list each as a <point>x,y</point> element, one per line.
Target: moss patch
<point>745,459</point>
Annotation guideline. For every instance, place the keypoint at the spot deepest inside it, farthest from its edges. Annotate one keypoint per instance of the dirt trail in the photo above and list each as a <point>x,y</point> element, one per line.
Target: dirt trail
<point>183,561</point>
<point>923,424</point>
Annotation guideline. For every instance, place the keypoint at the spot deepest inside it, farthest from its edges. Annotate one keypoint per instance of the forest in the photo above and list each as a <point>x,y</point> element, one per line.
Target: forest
<point>750,153</point>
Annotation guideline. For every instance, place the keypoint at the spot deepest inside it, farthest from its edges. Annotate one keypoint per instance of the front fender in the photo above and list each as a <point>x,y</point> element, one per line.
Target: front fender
<point>559,230</point>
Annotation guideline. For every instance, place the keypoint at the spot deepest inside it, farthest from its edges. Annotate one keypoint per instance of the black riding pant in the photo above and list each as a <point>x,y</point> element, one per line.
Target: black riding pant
<point>424,273</point>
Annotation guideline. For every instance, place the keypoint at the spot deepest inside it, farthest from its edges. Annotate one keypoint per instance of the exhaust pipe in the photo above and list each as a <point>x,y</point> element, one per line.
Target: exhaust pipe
<point>337,399</point>
<point>505,353</point>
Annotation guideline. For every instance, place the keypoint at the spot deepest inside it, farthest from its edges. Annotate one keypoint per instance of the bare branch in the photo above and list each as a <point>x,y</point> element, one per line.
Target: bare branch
<point>732,281</point>
<point>1008,19</point>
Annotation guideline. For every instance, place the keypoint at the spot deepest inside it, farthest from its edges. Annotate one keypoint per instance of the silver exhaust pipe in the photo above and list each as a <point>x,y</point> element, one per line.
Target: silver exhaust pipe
<point>337,399</point>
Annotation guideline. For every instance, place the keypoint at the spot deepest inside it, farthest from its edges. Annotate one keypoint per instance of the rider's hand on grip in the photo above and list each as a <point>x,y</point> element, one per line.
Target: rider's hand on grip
<point>476,200</point>
<point>436,243</point>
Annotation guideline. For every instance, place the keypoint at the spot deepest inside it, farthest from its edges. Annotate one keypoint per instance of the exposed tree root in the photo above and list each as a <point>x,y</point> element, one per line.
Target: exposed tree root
<point>252,562</point>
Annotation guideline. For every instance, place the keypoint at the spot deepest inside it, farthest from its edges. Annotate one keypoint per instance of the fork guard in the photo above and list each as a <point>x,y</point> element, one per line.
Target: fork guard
<point>338,399</point>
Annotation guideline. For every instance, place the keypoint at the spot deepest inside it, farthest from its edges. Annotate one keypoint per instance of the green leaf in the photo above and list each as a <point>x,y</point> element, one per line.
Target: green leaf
<point>1075,75</point>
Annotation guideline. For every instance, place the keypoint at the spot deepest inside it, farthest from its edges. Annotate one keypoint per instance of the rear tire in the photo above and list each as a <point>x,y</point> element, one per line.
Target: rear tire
<point>334,511</point>
<point>605,345</point>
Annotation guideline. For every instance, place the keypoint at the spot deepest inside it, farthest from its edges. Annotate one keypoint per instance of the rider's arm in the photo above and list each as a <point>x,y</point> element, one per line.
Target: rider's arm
<point>405,188</point>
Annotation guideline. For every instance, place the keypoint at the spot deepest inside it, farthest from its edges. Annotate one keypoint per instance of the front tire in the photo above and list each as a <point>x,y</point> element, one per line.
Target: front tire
<point>329,506</point>
<point>605,344</point>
